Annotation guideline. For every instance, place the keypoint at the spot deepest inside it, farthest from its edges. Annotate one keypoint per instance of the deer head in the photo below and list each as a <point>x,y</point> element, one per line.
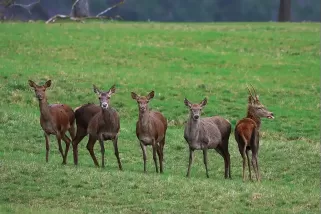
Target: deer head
<point>142,100</point>
<point>40,91</point>
<point>195,109</point>
<point>256,106</point>
<point>104,97</point>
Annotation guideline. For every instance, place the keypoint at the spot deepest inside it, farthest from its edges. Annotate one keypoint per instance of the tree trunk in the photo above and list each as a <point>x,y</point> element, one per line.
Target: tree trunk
<point>81,8</point>
<point>284,13</point>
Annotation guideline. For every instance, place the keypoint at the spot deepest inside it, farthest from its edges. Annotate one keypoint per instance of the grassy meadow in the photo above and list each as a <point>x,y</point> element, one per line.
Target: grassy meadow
<point>282,61</point>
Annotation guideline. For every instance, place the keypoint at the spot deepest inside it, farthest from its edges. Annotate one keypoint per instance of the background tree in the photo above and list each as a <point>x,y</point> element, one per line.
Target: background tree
<point>284,13</point>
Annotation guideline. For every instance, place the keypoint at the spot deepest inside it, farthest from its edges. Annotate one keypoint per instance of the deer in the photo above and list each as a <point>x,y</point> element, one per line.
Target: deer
<point>207,133</point>
<point>247,132</point>
<point>55,119</point>
<point>151,130</point>
<point>100,123</point>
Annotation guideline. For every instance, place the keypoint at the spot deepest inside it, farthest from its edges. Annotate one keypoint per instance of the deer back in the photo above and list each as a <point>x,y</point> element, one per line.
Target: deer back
<point>245,130</point>
<point>85,113</point>
<point>62,118</point>
<point>207,132</point>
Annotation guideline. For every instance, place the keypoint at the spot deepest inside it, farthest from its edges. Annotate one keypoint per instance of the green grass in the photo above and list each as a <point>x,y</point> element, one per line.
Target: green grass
<point>175,60</point>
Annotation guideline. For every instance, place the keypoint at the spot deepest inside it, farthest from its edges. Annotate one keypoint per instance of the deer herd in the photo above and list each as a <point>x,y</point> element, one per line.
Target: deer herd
<point>103,123</point>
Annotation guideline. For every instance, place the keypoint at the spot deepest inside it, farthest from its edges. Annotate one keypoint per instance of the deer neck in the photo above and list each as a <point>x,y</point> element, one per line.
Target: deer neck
<point>251,115</point>
<point>144,119</point>
<point>193,127</point>
<point>44,110</point>
<point>106,115</point>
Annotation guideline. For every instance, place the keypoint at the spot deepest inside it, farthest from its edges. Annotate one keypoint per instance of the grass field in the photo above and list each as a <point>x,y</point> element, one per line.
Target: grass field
<point>188,60</point>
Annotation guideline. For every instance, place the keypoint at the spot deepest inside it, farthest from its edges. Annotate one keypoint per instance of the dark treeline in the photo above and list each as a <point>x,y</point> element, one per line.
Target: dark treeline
<point>176,10</point>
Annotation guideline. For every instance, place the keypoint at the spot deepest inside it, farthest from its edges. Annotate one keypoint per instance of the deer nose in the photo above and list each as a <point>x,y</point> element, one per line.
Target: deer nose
<point>196,117</point>
<point>39,97</point>
<point>104,105</point>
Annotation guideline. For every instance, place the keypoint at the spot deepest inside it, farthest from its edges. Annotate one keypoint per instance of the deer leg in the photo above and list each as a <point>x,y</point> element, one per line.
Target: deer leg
<point>47,145</point>
<point>67,142</point>
<point>220,150</point>
<point>160,154</point>
<point>154,147</point>
<point>205,161</point>
<point>143,147</point>
<point>102,152</point>
<point>90,148</point>
<point>249,170</point>
<point>71,131</point>
<point>116,152</point>
<point>258,175</point>
<point>60,148</point>
<point>254,165</point>
<point>243,153</point>
<point>81,133</point>
<point>190,161</point>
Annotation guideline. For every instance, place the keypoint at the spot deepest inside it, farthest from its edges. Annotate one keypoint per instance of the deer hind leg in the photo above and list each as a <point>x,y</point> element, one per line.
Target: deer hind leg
<point>58,136</point>
<point>249,169</point>
<point>90,148</point>
<point>155,148</point>
<point>205,160</point>
<point>116,152</point>
<point>72,131</point>
<point>47,145</point>
<point>80,134</point>
<point>226,158</point>
<point>160,154</point>
<point>143,147</point>
<point>242,150</point>
<point>190,161</point>
<point>67,142</point>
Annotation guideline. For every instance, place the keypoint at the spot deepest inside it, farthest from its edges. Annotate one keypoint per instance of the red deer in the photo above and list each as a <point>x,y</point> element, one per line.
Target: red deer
<point>55,119</point>
<point>151,129</point>
<point>247,132</point>
<point>100,122</point>
<point>207,133</point>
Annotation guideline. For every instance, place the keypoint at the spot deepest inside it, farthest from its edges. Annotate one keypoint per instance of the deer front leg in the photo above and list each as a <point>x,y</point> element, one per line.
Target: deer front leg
<point>190,161</point>
<point>47,145</point>
<point>143,147</point>
<point>116,152</point>
<point>102,152</point>
<point>205,161</point>
<point>90,148</point>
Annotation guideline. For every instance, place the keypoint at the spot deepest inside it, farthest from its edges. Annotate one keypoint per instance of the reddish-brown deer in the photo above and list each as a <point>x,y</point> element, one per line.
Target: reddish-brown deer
<point>247,132</point>
<point>55,119</point>
<point>101,123</point>
<point>207,133</point>
<point>151,129</point>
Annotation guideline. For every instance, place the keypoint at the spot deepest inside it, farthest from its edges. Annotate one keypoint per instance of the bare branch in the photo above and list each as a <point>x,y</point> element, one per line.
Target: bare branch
<point>28,7</point>
<point>110,8</point>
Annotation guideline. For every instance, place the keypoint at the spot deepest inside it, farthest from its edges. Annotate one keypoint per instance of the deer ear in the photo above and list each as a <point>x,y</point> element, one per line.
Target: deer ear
<point>134,95</point>
<point>150,95</point>
<point>32,83</point>
<point>112,90</point>
<point>204,102</point>
<point>96,90</point>
<point>186,102</point>
<point>47,84</point>
<point>250,99</point>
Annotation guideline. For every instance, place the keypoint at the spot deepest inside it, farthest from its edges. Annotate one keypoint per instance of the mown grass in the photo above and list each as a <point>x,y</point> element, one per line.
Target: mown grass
<point>182,60</point>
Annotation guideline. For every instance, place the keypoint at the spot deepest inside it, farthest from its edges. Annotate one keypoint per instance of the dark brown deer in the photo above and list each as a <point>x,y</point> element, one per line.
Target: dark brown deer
<point>207,133</point>
<point>151,129</point>
<point>247,132</point>
<point>55,119</point>
<point>101,123</point>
